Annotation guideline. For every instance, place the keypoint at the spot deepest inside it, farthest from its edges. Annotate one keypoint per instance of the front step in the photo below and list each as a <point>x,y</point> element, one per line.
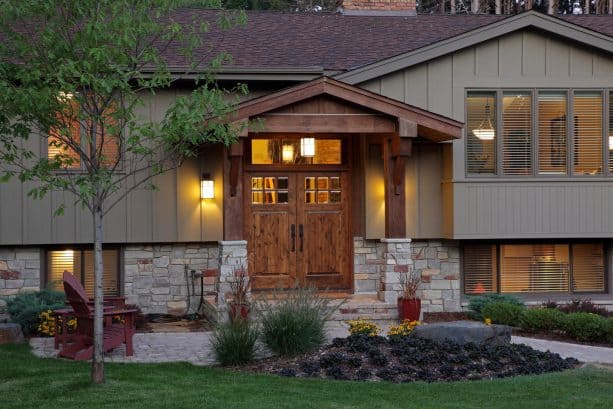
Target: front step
<point>365,306</point>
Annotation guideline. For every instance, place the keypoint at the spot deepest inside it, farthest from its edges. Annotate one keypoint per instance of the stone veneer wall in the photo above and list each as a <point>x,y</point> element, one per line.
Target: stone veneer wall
<point>19,271</point>
<point>154,276</point>
<point>379,263</point>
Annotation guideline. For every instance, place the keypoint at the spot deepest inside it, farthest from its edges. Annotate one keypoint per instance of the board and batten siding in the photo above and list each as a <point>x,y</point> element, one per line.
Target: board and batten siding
<point>174,213</point>
<point>500,208</point>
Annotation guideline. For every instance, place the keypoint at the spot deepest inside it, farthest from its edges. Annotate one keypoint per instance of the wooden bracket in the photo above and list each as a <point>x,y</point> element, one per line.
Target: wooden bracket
<point>400,149</point>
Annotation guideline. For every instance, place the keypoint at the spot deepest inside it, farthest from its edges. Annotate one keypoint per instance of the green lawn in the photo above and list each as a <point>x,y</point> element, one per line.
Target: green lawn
<point>30,382</point>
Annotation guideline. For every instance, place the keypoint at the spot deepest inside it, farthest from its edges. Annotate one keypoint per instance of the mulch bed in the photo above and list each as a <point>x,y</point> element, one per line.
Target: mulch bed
<point>408,359</point>
<point>431,317</point>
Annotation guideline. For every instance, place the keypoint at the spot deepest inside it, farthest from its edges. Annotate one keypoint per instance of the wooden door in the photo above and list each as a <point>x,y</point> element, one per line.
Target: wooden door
<point>322,216</point>
<point>298,229</point>
<point>271,229</point>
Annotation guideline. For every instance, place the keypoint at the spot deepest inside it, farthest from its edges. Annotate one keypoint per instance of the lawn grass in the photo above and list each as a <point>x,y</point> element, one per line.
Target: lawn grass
<point>30,382</point>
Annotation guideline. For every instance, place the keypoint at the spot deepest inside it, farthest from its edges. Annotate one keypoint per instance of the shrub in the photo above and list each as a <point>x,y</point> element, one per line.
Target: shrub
<point>477,303</point>
<point>294,323</point>
<point>587,305</point>
<point>503,313</point>
<point>363,327</point>
<point>25,308</point>
<point>584,326</point>
<point>610,330</point>
<point>542,319</point>
<point>234,343</point>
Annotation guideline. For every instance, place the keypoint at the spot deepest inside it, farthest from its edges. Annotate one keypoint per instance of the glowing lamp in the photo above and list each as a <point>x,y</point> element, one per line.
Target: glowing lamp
<point>207,187</point>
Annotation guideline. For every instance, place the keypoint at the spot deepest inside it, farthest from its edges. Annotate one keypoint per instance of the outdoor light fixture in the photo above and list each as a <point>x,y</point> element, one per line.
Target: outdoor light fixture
<point>207,187</point>
<point>307,147</point>
<point>611,142</point>
<point>287,153</point>
<point>485,131</point>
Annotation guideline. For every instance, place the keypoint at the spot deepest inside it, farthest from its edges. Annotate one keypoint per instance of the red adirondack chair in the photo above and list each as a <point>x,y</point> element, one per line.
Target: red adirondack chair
<point>118,324</point>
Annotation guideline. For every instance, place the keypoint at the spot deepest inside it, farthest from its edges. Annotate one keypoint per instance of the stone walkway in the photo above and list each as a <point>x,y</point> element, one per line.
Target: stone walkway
<point>195,347</point>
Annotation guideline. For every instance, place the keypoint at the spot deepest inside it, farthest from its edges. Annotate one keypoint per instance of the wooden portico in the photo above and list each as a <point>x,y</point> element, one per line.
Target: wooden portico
<point>314,205</point>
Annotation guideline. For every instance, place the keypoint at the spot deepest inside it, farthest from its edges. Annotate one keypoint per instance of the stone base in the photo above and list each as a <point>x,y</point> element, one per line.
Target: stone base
<point>11,334</point>
<point>464,332</point>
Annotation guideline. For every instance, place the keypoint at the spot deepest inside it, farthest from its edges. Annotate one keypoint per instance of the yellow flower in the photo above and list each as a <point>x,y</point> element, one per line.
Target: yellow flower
<point>488,321</point>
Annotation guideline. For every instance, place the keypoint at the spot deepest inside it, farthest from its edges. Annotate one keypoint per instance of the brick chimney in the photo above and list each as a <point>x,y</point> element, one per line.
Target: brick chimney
<point>378,7</point>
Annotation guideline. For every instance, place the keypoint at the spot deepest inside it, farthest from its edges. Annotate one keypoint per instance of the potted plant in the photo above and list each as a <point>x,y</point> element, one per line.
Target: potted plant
<point>239,306</point>
<point>409,306</point>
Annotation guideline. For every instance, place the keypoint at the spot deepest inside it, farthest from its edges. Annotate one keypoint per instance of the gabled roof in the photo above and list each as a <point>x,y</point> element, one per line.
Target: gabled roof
<point>531,19</point>
<point>429,125</point>
<point>306,45</point>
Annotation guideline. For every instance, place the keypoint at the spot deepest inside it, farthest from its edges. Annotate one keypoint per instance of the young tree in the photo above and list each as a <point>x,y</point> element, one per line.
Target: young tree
<point>73,73</point>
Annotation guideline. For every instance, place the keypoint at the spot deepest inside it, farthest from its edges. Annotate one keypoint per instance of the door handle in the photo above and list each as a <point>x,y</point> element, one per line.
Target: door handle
<point>293,234</point>
<point>301,235</point>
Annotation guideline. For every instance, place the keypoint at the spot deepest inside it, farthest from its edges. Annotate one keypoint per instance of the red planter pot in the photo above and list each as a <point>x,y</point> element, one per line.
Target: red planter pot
<point>409,309</point>
<point>238,312</point>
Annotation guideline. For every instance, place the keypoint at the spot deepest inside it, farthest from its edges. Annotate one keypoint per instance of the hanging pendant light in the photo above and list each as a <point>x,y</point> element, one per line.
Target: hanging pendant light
<point>307,147</point>
<point>485,131</point>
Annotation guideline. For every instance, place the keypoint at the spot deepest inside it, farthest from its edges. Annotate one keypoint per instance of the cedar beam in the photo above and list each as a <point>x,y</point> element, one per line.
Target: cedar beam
<point>395,199</point>
<point>233,192</point>
<point>325,123</point>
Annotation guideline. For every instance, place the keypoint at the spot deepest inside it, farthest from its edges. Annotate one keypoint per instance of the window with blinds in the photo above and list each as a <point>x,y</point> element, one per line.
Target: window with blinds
<point>610,138</point>
<point>552,131</point>
<point>587,135</point>
<point>588,267</point>
<point>480,269</point>
<point>517,133</point>
<point>481,133</point>
<point>533,268</point>
<point>81,264</point>
<point>58,146</point>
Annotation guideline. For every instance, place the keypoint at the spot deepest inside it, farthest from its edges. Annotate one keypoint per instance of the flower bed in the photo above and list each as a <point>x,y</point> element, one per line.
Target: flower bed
<point>408,358</point>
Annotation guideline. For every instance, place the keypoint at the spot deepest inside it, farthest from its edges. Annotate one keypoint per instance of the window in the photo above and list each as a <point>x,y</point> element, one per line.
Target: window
<point>107,145</point>
<point>517,133</point>
<point>534,268</point>
<point>538,132</point>
<point>587,137</point>
<point>286,151</point>
<point>80,263</point>
<point>552,132</point>
<point>481,132</point>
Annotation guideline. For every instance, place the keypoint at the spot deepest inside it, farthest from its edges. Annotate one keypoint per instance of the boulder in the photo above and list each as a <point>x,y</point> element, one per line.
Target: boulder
<point>10,334</point>
<point>464,332</point>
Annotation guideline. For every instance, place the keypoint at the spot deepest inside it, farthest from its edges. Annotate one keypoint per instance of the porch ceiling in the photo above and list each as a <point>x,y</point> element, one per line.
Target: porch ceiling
<point>381,114</point>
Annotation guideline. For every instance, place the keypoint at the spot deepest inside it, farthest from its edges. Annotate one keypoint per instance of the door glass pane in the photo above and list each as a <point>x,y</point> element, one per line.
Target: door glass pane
<point>270,197</point>
<point>257,183</point>
<point>335,196</point>
<point>282,183</point>
<point>257,197</point>
<point>269,183</point>
<point>322,183</point>
<point>309,196</point>
<point>309,183</point>
<point>283,196</point>
<point>322,196</point>
<point>269,190</point>
<point>335,183</point>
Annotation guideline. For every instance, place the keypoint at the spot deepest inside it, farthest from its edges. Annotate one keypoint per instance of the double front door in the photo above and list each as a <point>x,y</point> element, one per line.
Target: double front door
<point>297,226</point>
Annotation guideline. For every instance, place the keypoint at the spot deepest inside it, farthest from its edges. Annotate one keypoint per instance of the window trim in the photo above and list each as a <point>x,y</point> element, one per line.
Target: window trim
<point>606,174</point>
<point>607,256</point>
<point>81,247</point>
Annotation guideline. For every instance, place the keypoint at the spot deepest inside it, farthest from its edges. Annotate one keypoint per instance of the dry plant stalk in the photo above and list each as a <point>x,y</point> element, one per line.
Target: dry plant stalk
<point>409,282</point>
<point>239,285</point>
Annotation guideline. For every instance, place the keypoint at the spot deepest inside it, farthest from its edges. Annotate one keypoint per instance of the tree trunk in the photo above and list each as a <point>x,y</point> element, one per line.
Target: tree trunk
<point>98,361</point>
<point>550,6</point>
<point>587,7</point>
<point>610,6</point>
<point>442,6</point>
<point>452,6</point>
<point>498,6</point>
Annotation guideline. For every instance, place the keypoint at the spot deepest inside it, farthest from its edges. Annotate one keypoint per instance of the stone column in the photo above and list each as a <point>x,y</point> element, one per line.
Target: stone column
<point>398,259</point>
<point>232,256</point>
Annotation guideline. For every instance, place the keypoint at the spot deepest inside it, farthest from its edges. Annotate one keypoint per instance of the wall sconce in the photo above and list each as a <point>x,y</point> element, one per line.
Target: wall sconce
<point>485,131</point>
<point>207,187</point>
<point>307,147</point>
<point>287,153</point>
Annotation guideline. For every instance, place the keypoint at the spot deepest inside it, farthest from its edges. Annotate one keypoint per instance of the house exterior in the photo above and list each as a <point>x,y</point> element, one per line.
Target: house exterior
<point>474,149</point>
